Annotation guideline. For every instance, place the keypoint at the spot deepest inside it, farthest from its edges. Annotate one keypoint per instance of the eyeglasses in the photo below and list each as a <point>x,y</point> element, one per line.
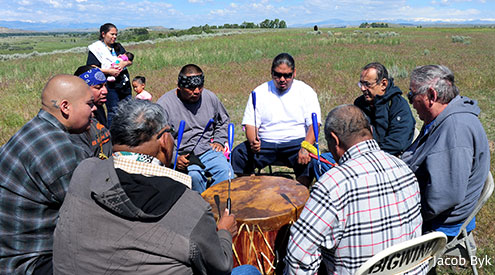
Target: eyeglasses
<point>366,84</point>
<point>280,75</point>
<point>166,130</point>
<point>411,96</point>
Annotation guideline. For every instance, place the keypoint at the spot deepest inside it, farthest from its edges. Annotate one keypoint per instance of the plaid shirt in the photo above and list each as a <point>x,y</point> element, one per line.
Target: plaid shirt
<point>36,165</point>
<point>367,203</point>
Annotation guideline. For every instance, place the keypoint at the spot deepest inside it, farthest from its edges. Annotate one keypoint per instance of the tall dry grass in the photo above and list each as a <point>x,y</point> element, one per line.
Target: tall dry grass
<point>329,61</point>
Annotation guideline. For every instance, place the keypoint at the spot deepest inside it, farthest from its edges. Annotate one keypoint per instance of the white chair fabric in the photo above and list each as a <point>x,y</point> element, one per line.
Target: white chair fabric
<point>406,256</point>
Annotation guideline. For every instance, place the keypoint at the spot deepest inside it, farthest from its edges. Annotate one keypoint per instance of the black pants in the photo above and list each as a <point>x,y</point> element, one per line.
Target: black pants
<point>44,266</point>
<point>244,161</point>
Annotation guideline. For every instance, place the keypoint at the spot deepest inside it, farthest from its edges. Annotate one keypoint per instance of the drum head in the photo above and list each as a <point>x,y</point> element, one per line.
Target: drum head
<point>267,201</point>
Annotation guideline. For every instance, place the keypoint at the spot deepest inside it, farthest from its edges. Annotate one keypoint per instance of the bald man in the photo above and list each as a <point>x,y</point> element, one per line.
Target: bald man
<point>370,201</point>
<point>36,165</point>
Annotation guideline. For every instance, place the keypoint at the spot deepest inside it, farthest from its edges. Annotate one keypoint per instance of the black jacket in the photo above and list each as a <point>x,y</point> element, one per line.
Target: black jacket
<point>391,118</point>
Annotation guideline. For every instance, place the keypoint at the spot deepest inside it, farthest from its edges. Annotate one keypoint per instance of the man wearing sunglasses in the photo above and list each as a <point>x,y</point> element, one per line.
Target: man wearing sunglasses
<point>279,122</point>
<point>196,106</point>
<point>389,113</point>
<point>451,156</point>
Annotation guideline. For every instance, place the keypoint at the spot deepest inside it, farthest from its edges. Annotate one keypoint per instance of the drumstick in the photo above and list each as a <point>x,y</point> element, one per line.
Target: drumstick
<point>253,98</point>
<point>324,160</point>
<point>315,130</point>
<point>231,143</point>
<point>202,134</point>
<point>217,202</point>
<point>182,124</point>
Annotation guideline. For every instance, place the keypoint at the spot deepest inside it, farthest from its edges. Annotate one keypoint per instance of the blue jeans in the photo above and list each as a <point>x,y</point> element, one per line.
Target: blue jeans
<point>245,270</point>
<point>114,96</point>
<point>216,165</point>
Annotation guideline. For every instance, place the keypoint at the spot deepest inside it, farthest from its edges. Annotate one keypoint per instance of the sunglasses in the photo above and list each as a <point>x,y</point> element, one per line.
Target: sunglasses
<point>166,130</point>
<point>280,75</point>
<point>411,96</point>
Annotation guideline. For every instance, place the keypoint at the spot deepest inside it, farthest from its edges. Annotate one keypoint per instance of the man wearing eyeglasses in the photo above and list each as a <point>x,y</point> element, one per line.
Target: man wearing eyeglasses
<point>389,113</point>
<point>451,156</point>
<point>196,105</point>
<point>279,122</point>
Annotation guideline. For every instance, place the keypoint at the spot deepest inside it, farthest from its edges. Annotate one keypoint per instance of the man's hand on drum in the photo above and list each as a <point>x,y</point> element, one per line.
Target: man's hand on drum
<point>228,222</point>
<point>303,157</point>
<point>216,146</point>
<point>182,162</point>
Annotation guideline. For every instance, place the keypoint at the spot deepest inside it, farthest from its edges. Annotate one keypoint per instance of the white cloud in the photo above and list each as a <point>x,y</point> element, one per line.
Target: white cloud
<point>198,1</point>
<point>55,4</point>
<point>24,2</point>
<point>151,12</point>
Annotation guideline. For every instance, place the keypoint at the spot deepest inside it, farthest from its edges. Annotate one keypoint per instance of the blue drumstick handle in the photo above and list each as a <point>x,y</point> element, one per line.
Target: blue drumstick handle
<point>253,99</point>
<point>231,144</point>
<point>231,136</point>
<point>182,124</point>
<point>315,126</point>
<point>314,117</point>
<point>208,125</point>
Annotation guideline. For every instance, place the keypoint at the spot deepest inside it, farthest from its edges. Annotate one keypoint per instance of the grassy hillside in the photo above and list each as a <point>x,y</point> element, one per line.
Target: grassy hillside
<point>330,61</point>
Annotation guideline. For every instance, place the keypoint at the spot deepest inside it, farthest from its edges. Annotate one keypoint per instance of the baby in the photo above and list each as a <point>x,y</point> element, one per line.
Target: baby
<point>138,83</point>
<point>127,56</point>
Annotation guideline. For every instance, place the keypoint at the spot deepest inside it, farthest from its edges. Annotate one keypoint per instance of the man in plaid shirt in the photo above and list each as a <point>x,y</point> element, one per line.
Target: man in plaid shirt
<point>370,201</point>
<point>36,167</point>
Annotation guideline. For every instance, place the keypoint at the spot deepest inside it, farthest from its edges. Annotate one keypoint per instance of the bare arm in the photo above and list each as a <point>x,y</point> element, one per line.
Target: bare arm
<point>253,138</point>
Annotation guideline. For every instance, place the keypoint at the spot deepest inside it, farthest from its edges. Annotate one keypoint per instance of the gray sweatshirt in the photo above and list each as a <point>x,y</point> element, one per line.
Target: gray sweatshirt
<point>451,163</point>
<point>196,116</point>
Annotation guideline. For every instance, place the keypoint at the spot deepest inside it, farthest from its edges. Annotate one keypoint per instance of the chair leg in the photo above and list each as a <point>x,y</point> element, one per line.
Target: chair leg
<point>470,253</point>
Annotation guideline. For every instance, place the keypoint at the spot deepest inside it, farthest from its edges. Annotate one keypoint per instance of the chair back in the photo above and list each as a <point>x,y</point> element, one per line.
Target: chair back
<point>485,195</point>
<point>405,256</point>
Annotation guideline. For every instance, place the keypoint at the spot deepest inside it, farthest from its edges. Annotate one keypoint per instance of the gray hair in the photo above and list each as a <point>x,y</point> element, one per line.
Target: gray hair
<point>136,121</point>
<point>438,77</point>
<point>348,123</point>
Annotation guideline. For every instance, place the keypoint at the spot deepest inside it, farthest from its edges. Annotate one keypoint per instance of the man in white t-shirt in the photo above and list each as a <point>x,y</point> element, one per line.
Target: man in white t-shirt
<point>283,120</point>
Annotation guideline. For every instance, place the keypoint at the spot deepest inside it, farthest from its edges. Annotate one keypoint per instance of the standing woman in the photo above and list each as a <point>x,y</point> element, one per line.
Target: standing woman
<point>102,54</point>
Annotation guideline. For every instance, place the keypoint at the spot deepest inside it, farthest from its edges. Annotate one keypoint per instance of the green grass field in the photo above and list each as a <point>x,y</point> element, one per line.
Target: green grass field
<point>330,62</point>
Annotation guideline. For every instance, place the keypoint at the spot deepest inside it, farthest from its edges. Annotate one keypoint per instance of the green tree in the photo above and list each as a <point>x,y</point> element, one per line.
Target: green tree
<point>265,23</point>
<point>282,24</point>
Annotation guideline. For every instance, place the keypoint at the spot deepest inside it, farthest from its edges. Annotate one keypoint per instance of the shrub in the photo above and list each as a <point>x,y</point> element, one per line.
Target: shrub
<point>398,72</point>
<point>461,39</point>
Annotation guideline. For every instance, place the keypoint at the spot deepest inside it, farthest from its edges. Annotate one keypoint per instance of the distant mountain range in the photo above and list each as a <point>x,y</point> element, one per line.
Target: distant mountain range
<point>335,23</point>
<point>20,26</point>
<point>51,27</point>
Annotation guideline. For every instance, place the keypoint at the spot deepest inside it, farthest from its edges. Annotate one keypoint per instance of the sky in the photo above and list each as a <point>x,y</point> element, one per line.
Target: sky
<point>183,14</point>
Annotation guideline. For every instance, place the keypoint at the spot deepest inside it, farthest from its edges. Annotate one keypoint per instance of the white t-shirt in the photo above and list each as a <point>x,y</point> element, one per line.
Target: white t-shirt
<point>282,117</point>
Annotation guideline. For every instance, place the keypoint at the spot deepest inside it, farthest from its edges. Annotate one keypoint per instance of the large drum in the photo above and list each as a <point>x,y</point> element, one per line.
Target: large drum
<point>264,207</point>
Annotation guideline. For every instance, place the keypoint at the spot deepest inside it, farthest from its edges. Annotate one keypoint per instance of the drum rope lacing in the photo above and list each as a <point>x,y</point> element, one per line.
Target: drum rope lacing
<point>251,244</point>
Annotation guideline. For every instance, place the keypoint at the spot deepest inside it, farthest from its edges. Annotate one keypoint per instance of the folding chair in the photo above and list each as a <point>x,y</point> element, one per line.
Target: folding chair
<point>283,170</point>
<point>406,256</point>
<point>463,244</point>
